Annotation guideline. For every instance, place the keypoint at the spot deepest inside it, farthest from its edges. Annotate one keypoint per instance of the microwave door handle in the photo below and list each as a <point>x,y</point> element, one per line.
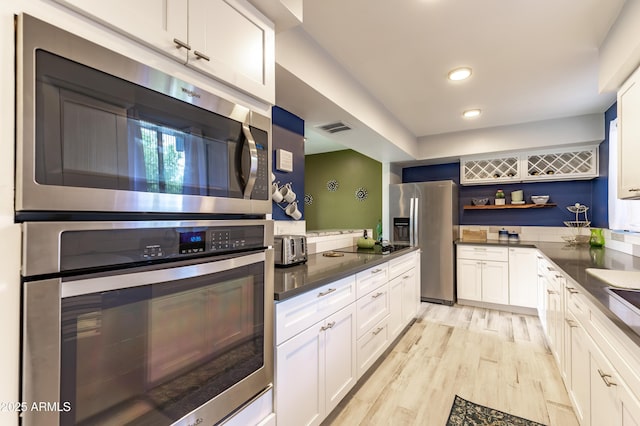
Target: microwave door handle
<point>253,167</point>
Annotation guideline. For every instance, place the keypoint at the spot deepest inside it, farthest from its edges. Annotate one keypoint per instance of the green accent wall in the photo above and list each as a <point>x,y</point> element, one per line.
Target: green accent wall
<point>341,209</point>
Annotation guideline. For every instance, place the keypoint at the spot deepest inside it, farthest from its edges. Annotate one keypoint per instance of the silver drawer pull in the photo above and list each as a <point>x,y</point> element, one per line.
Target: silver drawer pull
<point>181,44</point>
<point>606,379</point>
<point>571,323</point>
<point>550,268</point>
<point>559,276</point>
<point>200,55</point>
<point>378,294</point>
<point>328,326</point>
<point>406,276</point>
<point>551,292</point>
<point>377,331</point>
<point>479,249</point>
<point>634,189</point>
<point>324,293</point>
<point>375,271</point>
<point>572,290</point>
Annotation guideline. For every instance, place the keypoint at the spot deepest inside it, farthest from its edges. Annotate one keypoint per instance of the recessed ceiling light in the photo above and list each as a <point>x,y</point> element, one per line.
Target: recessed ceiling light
<point>471,113</point>
<point>459,74</point>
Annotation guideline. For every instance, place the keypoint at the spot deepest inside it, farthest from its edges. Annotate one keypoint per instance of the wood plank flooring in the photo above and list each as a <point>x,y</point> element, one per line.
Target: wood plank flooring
<point>493,358</point>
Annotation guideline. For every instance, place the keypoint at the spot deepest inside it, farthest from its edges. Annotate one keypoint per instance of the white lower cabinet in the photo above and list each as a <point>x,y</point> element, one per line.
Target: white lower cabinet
<point>327,338</point>
<point>483,274</point>
<point>523,283</point>
<point>599,371</point>
<point>315,369</point>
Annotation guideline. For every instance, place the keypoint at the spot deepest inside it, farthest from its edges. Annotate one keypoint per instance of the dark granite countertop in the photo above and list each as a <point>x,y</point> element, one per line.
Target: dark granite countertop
<point>320,270</point>
<point>574,260</point>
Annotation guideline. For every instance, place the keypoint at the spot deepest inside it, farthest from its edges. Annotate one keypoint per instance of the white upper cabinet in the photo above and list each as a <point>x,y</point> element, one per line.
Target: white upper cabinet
<point>551,164</point>
<point>229,40</point>
<point>629,138</point>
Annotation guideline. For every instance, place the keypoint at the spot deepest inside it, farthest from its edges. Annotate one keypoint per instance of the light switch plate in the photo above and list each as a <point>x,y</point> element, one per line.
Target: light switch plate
<point>284,160</point>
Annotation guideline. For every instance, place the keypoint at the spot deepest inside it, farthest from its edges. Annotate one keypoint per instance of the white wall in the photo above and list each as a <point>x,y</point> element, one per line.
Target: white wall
<point>619,54</point>
<point>540,134</point>
<point>305,59</point>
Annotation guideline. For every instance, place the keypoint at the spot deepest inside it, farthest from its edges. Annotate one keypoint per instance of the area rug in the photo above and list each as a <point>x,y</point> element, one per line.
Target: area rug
<point>466,413</point>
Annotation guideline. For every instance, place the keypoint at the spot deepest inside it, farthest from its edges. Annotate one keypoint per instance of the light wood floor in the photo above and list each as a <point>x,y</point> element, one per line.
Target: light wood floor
<point>493,358</point>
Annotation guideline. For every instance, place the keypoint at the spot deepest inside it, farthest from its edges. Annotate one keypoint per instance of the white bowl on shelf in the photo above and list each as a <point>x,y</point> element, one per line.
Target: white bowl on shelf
<point>539,199</point>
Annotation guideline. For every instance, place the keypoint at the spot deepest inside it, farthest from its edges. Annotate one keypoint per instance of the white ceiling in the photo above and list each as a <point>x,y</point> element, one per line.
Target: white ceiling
<point>532,60</point>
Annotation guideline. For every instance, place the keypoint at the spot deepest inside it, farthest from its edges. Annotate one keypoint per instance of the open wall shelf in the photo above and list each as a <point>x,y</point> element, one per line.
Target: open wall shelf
<point>509,206</point>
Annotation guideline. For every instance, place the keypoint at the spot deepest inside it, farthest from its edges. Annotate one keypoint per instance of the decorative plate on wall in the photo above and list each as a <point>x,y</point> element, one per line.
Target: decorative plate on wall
<point>361,194</point>
<point>308,199</point>
<point>332,185</point>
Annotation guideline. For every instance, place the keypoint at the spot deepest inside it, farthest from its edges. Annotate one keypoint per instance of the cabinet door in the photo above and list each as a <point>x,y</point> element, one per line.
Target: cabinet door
<point>523,274</point>
<point>629,138</point>
<point>234,42</point>
<point>395,306</point>
<point>495,282</point>
<point>605,404</point>
<point>469,279</point>
<point>164,20</point>
<point>578,374</point>
<point>299,378</point>
<point>410,299</point>
<point>340,356</point>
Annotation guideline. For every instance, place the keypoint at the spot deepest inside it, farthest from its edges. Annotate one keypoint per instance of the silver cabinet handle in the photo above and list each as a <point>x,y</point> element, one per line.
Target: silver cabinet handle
<point>480,249</point>
<point>552,292</point>
<point>571,323</point>
<point>375,271</point>
<point>375,296</point>
<point>559,276</point>
<point>324,293</point>
<point>404,277</point>
<point>634,189</point>
<point>181,44</point>
<point>377,331</point>
<point>200,55</point>
<point>550,268</point>
<point>572,290</point>
<point>328,326</point>
<point>606,379</point>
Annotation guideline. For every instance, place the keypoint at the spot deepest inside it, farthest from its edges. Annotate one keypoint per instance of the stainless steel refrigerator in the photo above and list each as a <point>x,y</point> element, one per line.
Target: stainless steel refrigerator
<point>425,214</point>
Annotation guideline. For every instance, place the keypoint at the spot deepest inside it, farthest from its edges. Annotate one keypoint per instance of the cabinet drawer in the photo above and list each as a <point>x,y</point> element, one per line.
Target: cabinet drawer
<point>401,265</point>
<point>500,254</point>
<point>371,308</point>
<point>300,312</point>
<point>371,346</point>
<point>371,278</point>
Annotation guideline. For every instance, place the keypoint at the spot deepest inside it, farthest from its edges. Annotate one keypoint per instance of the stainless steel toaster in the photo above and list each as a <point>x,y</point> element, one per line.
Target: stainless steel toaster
<point>290,249</point>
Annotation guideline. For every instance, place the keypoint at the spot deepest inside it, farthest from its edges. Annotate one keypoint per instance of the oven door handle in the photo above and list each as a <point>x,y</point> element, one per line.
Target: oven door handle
<point>253,165</point>
<point>159,276</point>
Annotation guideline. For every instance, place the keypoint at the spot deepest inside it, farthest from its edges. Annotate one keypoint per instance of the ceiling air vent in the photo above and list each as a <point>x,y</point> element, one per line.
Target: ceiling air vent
<point>336,127</point>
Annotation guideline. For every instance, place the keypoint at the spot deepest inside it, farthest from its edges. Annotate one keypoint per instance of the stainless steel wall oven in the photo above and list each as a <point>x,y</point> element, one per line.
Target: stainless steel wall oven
<point>98,131</point>
<point>147,272</point>
<point>146,323</point>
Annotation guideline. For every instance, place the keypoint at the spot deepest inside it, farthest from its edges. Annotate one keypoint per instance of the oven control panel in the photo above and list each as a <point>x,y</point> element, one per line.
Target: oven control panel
<point>122,246</point>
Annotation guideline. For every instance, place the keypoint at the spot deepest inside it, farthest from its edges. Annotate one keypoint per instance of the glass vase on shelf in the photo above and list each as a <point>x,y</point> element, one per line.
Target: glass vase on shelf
<point>500,198</point>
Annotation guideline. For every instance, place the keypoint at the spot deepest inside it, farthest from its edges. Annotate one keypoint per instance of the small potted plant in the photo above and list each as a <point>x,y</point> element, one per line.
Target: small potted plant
<point>500,198</point>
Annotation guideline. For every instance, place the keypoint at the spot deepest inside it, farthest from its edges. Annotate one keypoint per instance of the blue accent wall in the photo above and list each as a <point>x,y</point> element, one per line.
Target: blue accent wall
<point>288,134</point>
<point>592,193</point>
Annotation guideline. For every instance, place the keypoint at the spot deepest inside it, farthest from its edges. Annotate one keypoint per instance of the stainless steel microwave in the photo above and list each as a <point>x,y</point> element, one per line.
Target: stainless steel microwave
<point>100,132</point>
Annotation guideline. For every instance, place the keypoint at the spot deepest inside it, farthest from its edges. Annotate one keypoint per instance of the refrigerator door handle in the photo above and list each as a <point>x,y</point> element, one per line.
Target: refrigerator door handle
<point>415,222</point>
<point>412,220</point>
